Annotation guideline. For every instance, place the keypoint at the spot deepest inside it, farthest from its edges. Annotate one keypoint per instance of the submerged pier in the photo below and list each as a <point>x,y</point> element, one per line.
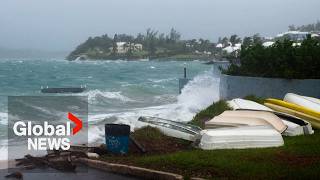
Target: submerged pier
<point>63,89</point>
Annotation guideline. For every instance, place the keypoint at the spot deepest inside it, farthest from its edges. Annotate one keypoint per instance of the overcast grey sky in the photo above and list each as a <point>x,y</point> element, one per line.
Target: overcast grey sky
<point>63,24</point>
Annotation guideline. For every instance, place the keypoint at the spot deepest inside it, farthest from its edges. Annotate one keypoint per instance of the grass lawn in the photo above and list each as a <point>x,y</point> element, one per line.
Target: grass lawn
<point>213,110</point>
<point>299,158</point>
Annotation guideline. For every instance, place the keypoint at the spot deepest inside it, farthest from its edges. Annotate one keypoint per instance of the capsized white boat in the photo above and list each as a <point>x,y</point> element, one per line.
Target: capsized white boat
<point>247,105</point>
<point>310,103</point>
<point>240,138</point>
<point>233,121</point>
<point>315,100</point>
<point>272,119</point>
<point>172,128</point>
<point>293,129</point>
<point>296,126</point>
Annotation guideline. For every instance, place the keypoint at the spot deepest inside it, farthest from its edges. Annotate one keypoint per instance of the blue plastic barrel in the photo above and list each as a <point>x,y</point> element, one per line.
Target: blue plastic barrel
<point>117,138</point>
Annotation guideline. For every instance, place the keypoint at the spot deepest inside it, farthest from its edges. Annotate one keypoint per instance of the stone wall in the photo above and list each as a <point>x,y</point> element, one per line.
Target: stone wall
<point>240,86</point>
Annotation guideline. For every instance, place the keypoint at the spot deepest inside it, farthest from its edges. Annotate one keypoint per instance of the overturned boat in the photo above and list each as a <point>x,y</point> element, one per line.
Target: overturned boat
<point>296,126</point>
<point>296,110</point>
<point>240,138</point>
<point>225,121</point>
<point>269,117</point>
<point>304,101</point>
<point>244,104</point>
<point>172,128</point>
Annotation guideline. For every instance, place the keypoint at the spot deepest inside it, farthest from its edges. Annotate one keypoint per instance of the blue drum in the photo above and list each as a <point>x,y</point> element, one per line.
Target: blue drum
<point>117,138</point>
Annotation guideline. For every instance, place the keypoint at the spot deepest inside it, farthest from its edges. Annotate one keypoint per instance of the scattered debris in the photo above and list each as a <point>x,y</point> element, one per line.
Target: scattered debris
<point>16,175</point>
<point>92,155</point>
<point>138,145</point>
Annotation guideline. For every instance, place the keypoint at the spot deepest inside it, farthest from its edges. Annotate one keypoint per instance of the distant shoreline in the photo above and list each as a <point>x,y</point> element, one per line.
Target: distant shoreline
<point>180,57</point>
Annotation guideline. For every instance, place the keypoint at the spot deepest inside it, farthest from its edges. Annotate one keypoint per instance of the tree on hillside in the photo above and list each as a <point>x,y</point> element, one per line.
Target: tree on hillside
<point>174,35</point>
<point>114,45</point>
<point>234,39</point>
<point>139,39</point>
<point>150,40</point>
<point>308,27</point>
<point>291,27</point>
<point>281,60</point>
<point>257,39</point>
<point>247,42</point>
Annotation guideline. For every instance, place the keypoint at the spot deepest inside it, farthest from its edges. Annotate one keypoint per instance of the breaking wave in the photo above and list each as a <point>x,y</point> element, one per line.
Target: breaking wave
<point>198,94</point>
<point>96,95</point>
<point>3,118</point>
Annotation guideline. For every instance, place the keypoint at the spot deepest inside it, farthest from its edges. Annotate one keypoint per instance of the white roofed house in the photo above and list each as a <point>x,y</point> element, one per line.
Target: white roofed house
<point>121,47</point>
<point>294,35</point>
<point>138,47</point>
<point>219,45</point>
<point>267,43</point>
<point>232,49</point>
<point>124,47</point>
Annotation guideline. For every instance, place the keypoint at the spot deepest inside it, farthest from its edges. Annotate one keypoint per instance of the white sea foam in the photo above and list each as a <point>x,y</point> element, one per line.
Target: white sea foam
<point>3,118</point>
<point>162,80</point>
<point>3,152</point>
<point>94,95</point>
<point>198,94</point>
<point>95,134</point>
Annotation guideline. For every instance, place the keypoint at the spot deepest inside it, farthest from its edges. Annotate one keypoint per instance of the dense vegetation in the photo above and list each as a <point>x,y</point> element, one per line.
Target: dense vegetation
<point>155,45</point>
<point>284,59</point>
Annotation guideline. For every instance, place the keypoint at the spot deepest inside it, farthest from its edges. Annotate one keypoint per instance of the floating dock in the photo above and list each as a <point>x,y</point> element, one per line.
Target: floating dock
<point>63,90</point>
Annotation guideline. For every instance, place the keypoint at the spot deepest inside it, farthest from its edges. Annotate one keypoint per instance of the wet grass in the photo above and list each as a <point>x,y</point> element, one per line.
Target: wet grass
<point>213,110</point>
<point>298,158</point>
<point>254,98</point>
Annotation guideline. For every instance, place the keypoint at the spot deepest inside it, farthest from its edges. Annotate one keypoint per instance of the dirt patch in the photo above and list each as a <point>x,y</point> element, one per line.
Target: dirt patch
<point>155,142</point>
<point>296,160</point>
<point>207,172</point>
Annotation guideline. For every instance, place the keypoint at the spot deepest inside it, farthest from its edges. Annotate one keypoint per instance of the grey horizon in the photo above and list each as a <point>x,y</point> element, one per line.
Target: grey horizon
<point>61,25</point>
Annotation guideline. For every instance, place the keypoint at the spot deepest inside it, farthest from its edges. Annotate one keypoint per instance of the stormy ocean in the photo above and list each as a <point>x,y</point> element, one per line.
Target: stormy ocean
<point>117,91</point>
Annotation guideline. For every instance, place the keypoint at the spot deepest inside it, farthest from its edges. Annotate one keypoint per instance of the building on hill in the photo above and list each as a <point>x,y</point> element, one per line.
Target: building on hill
<point>124,47</point>
<point>230,49</point>
<point>267,43</point>
<point>294,35</point>
<point>121,48</point>
<point>219,45</point>
<point>138,47</point>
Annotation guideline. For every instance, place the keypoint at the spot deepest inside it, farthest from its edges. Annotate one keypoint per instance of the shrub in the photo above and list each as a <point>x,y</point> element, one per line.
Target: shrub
<point>281,60</point>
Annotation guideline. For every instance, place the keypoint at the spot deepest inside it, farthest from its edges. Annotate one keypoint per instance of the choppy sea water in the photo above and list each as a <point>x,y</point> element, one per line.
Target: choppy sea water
<point>117,91</point>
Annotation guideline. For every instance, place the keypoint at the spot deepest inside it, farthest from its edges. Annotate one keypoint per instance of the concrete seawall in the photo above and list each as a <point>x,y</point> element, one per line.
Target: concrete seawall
<point>240,86</point>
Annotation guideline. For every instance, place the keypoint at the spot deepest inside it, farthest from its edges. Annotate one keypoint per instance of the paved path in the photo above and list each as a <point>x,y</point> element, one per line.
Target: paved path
<point>81,174</point>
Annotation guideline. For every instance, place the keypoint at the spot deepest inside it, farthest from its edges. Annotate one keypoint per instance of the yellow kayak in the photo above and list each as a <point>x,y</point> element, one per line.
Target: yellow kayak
<point>315,121</point>
<point>294,107</point>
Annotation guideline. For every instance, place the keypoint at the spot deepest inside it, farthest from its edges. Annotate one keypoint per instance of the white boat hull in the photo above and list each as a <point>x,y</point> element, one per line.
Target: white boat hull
<point>272,119</point>
<point>247,105</point>
<point>241,138</point>
<point>310,103</point>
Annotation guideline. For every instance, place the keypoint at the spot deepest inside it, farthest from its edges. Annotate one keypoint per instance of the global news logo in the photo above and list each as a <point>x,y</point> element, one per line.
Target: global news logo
<point>48,136</point>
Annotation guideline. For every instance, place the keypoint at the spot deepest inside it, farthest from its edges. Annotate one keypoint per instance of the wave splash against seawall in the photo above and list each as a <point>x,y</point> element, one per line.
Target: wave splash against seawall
<point>198,94</point>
